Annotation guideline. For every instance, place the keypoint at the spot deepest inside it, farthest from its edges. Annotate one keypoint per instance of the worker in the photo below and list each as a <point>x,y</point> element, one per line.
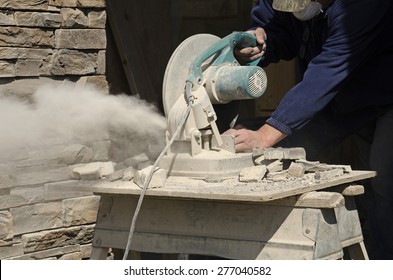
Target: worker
<point>345,52</point>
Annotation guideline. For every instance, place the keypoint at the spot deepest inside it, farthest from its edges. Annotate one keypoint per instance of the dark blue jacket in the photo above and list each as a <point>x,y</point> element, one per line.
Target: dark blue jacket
<point>349,53</point>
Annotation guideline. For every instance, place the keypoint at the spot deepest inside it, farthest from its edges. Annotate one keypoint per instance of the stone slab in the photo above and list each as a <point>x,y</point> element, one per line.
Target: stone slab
<point>26,37</point>
<point>45,254</point>
<point>81,210</point>
<point>48,239</point>
<point>37,217</point>
<point>157,180</point>
<point>80,39</point>
<point>38,19</point>
<point>9,201</point>
<point>46,176</point>
<point>284,153</point>
<point>6,225</point>
<point>93,170</point>
<point>24,4</point>
<point>65,189</point>
<point>74,62</point>
<point>78,3</point>
<point>33,194</point>
<point>24,53</point>
<point>252,174</point>
<point>11,251</point>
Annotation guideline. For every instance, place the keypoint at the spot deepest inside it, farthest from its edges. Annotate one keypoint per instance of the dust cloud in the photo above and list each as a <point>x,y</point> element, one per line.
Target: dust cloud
<point>68,114</point>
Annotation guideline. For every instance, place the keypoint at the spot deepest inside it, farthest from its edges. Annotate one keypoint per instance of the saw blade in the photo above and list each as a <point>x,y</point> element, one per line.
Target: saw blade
<point>177,69</point>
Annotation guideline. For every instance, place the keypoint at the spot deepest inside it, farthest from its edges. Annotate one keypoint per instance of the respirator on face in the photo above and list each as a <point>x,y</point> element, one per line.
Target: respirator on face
<point>311,10</point>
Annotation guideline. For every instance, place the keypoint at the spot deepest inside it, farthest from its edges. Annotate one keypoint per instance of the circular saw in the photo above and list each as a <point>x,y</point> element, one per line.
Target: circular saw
<point>201,72</point>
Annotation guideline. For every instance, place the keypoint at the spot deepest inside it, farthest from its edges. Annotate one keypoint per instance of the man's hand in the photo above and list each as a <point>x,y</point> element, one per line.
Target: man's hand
<point>246,140</point>
<point>250,54</point>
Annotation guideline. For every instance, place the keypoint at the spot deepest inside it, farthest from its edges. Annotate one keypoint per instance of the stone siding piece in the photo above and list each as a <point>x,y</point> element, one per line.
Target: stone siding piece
<point>73,62</point>
<point>11,251</point>
<point>7,18</point>
<point>30,194</point>
<point>38,19</point>
<point>6,181</point>
<point>7,68</point>
<point>128,173</point>
<point>24,4</point>
<point>157,181</point>
<point>82,210</point>
<point>37,217</point>
<point>277,176</point>
<point>114,176</point>
<point>75,153</point>
<point>65,189</point>
<point>94,170</point>
<point>328,174</point>
<point>98,81</point>
<point>284,153</point>
<point>46,254</point>
<point>73,18</point>
<point>97,19</point>
<point>78,3</point>
<point>136,160</point>
<point>296,170</point>
<point>52,175</point>
<point>252,174</point>
<point>8,201</point>
<point>24,53</point>
<point>71,256</point>
<point>80,38</point>
<point>26,37</point>
<point>30,68</point>
<point>57,238</point>
<point>275,166</point>
<point>6,225</point>
<point>86,250</point>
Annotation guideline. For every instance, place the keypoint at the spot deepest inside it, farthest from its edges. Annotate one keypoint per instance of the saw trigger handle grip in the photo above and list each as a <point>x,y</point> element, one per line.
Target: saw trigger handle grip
<point>223,51</point>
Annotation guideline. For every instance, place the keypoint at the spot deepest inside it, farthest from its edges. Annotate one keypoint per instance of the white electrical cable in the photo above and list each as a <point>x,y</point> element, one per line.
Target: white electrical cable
<point>146,183</point>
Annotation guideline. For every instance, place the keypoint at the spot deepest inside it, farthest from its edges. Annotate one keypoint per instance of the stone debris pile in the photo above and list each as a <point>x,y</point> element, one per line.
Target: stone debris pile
<point>136,169</point>
<point>281,164</point>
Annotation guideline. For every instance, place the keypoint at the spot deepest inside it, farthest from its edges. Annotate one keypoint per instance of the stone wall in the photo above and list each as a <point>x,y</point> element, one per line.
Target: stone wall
<point>48,41</point>
<point>40,216</point>
<point>55,39</point>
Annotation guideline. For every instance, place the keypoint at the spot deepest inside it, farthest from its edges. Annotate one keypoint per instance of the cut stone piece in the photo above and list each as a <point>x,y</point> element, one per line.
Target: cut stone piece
<point>252,174</point>
<point>157,181</point>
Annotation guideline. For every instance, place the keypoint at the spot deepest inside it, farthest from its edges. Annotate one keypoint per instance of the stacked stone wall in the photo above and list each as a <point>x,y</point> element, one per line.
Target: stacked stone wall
<point>41,214</point>
<point>48,41</point>
<point>41,39</point>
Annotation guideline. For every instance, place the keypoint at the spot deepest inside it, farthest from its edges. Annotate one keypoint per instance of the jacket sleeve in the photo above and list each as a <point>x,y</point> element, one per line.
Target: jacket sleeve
<point>281,30</point>
<point>352,27</point>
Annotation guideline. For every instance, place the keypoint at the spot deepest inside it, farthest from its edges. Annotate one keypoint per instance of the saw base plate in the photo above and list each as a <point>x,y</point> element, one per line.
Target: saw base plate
<point>207,164</point>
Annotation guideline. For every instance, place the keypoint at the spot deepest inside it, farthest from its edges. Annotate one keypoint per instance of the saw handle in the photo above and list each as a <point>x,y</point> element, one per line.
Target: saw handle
<point>224,48</point>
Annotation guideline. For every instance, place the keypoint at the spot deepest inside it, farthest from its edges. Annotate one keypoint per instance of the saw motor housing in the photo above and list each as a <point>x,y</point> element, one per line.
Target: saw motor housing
<point>214,76</point>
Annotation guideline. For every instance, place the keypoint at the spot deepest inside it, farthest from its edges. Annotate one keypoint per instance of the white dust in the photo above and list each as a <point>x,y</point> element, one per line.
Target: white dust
<point>69,114</point>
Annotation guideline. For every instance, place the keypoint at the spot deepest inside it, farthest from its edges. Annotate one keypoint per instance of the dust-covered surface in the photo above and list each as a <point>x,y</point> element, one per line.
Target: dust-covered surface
<point>265,190</point>
<point>229,189</point>
<point>276,173</point>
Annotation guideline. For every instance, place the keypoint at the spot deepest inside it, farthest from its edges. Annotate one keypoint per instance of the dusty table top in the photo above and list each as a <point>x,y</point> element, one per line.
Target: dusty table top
<point>228,189</point>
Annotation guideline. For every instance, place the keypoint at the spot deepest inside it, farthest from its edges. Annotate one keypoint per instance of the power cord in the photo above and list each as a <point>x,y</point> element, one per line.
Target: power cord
<point>188,98</point>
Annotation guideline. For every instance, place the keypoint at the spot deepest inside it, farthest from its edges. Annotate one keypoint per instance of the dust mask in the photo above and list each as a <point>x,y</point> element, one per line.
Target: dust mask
<point>311,10</point>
